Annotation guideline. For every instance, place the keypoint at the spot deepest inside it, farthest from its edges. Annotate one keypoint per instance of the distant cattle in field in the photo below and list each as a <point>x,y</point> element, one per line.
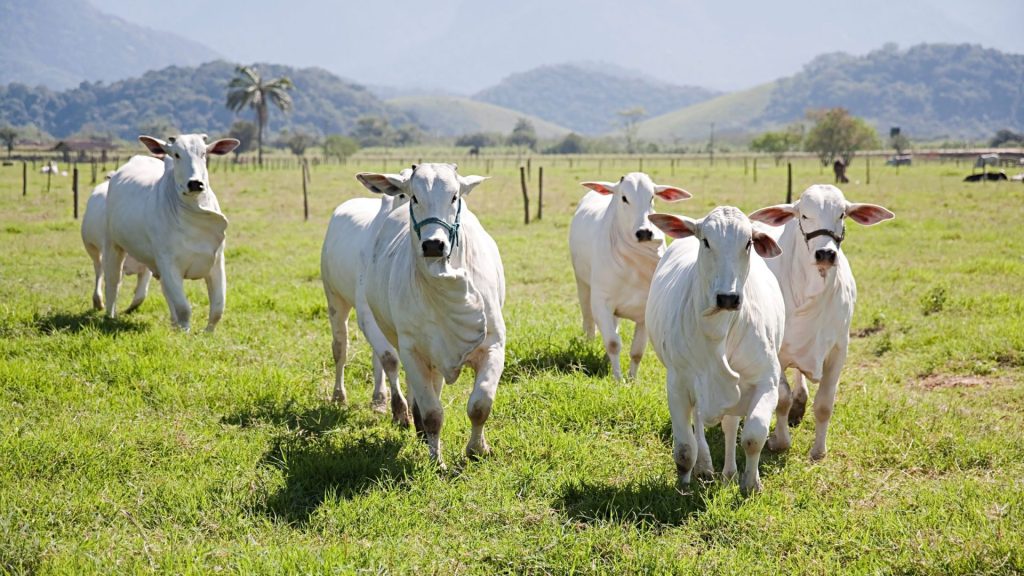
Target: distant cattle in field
<point>839,168</point>
<point>899,160</point>
<point>995,176</point>
<point>986,160</point>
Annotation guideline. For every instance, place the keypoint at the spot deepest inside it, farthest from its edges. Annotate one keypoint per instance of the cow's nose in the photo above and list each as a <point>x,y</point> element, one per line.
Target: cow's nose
<point>728,301</point>
<point>825,256</point>
<point>644,235</point>
<point>433,248</point>
<point>196,186</point>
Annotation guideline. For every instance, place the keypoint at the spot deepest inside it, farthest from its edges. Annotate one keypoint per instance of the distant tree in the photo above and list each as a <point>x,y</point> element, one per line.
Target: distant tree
<point>837,134</point>
<point>900,143</point>
<point>779,143</point>
<point>479,139</point>
<point>246,133</point>
<point>1006,138</point>
<point>298,141</point>
<point>340,147</point>
<point>523,135</point>
<point>407,135</point>
<point>572,144</point>
<point>9,135</point>
<point>373,131</point>
<point>159,127</point>
<point>248,90</point>
<point>630,118</point>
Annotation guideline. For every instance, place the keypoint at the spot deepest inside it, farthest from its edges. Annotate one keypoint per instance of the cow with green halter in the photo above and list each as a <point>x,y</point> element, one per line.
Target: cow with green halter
<point>435,286</point>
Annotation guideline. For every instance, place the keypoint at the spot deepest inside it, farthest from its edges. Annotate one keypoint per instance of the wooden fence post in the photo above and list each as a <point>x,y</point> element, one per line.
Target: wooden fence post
<point>867,166</point>
<point>540,192</point>
<point>789,183</point>
<point>74,190</point>
<point>526,197</point>
<point>305,196</point>
<point>755,170</point>
<point>24,178</point>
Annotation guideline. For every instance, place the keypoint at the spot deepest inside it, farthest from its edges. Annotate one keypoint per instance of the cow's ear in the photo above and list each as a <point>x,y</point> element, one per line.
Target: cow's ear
<point>467,183</point>
<point>774,215</point>
<point>765,245</point>
<point>600,187</point>
<point>671,193</point>
<point>390,184</point>
<point>675,226</point>
<point>868,214</point>
<point>156,146</point>
<point>222,146</point>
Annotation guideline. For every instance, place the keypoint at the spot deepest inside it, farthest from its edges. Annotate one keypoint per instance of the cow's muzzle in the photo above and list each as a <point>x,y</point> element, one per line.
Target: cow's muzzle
<point>730,301</point>
<point>196,186</point>
<point>644,235</point>
<point>825,257</point>
<point>433,248</point>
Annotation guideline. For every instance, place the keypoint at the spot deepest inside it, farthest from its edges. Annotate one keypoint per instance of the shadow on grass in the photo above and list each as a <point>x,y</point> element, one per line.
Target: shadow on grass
<point>325,452</point>
<point>577,356</point>
<point>75,322</point>
<point>652,504</point>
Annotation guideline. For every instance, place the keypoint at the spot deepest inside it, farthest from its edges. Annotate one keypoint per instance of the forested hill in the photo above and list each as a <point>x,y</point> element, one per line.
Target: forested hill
<point>188,99</point>
<point>588,98</point>
<point>59,43</point>
<point>930,90</point>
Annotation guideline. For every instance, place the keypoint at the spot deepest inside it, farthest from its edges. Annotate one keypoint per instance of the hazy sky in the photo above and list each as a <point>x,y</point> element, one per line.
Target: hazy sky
<point>466,45</point>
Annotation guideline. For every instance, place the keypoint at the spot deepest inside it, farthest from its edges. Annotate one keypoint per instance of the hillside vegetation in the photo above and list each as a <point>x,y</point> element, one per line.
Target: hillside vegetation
<point>446,116</point>
<point>189,99</point>
<point>60,43</point>
<point>588,99</point>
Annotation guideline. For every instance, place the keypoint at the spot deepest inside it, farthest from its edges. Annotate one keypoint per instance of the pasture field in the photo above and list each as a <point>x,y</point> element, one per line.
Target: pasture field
<point>128,447</point>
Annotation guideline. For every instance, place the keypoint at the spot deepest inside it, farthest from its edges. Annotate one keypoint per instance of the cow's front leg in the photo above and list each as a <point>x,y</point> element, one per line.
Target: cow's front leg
<point>755,429</point>
<point>113,262</point>
<point>780,440</point>
<point>173,285</point>
<point>825,400</point>
<point>141,290</point>
<point>704,469</point>
<point>488,373</point>
<point>609,326</point>
<point>730,426</point>
<point>217,289</point>
<point>636,349</point>
<point>680,407</point>
<point>427,403</point>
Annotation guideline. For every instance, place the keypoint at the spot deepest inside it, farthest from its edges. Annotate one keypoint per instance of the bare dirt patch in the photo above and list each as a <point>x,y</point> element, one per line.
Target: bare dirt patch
<point>946,381</point>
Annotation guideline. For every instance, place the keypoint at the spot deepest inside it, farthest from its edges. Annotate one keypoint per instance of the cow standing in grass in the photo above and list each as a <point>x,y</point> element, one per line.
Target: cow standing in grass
<point>435,286</point>
<point>614,252</point>
<point>343,260</point>
<point>94,230</point>
<point>162,212</point>
<point>716,318</point>
<point>820,292</point>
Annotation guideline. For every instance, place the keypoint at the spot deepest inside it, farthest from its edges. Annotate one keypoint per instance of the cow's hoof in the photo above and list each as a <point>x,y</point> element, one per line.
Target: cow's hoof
<point>750,487</point>
<point>775,444</point>
<point>339,398</point>
<point>796,412</point>
<point>379,404</point>
<point>479,451</point>
<point>818,455</point>
<point>729,473</point>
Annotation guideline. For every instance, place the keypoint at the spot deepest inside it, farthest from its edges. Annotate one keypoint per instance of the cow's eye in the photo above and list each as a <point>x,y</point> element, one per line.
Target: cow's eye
<point>178,156</point>
<point>804,217</point>
<point>624,201</point>
<point>842,216</point>
<point>749,244</point>
<point>706,245</point>
<point>454,198</point>
<point>401,196</point>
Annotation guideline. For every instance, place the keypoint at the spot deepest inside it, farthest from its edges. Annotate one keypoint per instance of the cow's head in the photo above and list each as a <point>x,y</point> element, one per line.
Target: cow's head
<point>726,238</point>
<point>187,154</point>
<point>820,215</point>
<point>633,202</point>
<point>435,193</point>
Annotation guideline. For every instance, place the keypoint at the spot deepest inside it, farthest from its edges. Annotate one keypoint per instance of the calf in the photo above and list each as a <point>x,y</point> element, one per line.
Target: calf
<point>435,286</point>
<point>819,291</point>
<point>94,230</point>
<point>716,318</point>
<point>163,213</point>
<point>344,257</point>
<point>614,252</point>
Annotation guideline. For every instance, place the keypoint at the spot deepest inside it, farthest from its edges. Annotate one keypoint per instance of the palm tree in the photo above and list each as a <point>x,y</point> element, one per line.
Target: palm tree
<point>248,90</point>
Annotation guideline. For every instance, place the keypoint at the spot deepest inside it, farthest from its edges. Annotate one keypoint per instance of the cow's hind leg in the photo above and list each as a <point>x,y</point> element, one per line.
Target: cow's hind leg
<point>97,268</point>
<point>704,469</point>
<point>337,312</point>
<point>484,388</point>
<point>730,427</point>
<point>780,440</point>
<point>636,349</point>
<point>609,326</point>
<point>425,384</point>
<point>799,400</point>
<point>217,289</point>
<point>113,260</point>
<point>583,291</point>
<point>141,290</point>
<point>173,286</point>
<point>825,400</point>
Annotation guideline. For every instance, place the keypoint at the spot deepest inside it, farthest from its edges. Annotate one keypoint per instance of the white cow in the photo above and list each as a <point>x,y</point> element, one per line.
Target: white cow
<point>345,254</point>
<point>164,214</point>
<point>436,286</point>
<point>614,251</point>
<point>818,286</point>
<point>94,229</point>
<point>716,318</point>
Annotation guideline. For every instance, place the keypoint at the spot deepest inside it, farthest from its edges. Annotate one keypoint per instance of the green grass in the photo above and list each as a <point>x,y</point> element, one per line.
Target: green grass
<point>126,446</point>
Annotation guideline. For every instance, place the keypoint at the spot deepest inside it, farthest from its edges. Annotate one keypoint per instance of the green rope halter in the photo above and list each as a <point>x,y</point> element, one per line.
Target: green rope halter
<point>452,229</point>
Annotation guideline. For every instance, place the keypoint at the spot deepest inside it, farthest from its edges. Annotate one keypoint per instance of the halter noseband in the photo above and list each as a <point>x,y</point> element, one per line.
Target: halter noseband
<point>452,229</point>
<point>808,236</point>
